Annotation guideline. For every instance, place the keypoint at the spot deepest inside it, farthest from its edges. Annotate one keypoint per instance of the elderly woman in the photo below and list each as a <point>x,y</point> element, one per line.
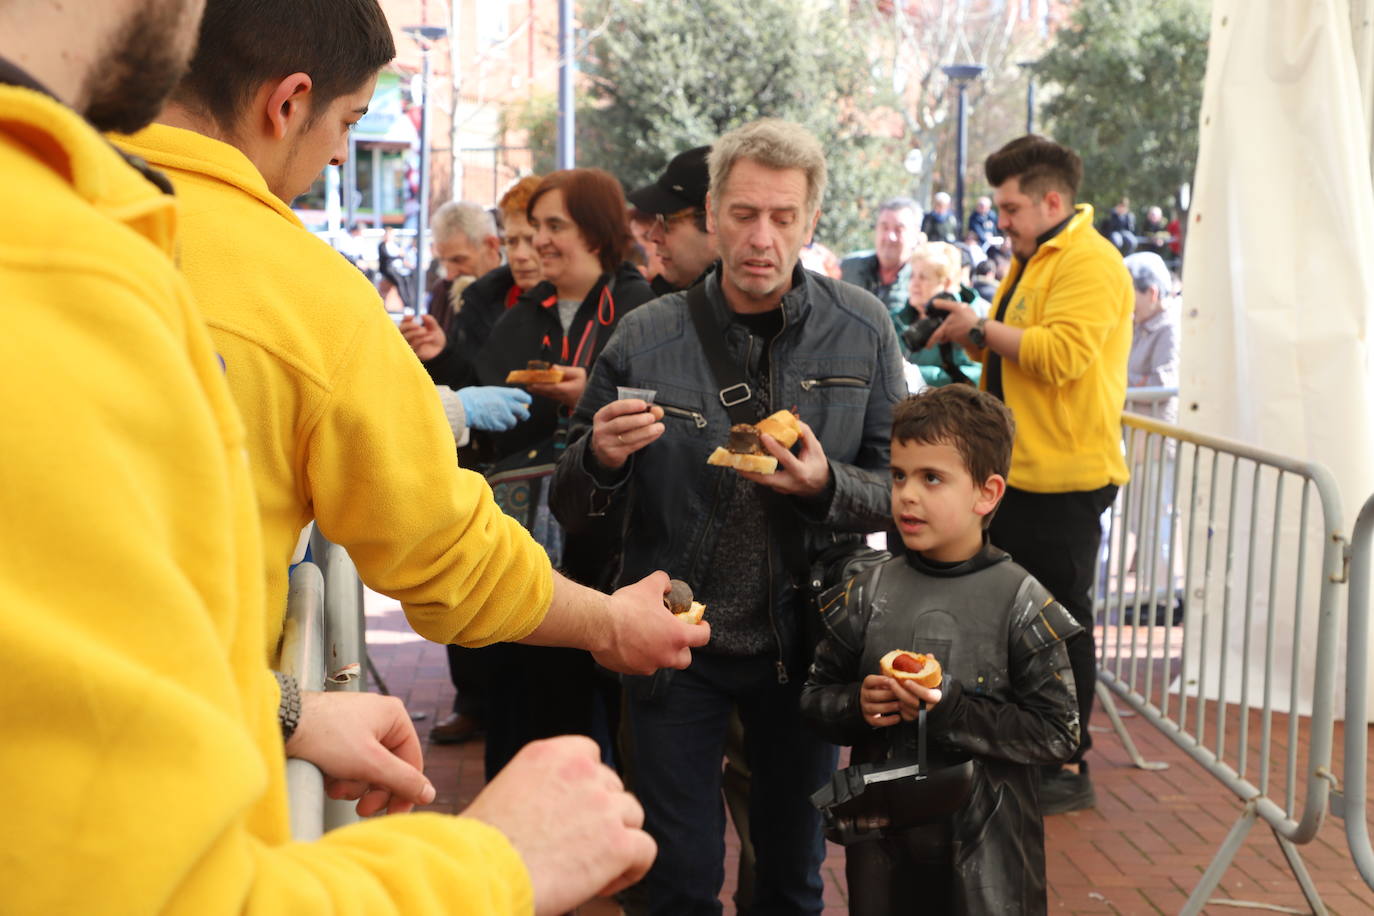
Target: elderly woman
<point>936,269</point>
<point>1154,346</point>
<point>581,234</point>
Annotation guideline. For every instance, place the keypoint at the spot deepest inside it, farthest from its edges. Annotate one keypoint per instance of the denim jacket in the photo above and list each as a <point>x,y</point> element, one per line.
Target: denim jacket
<point>835,360</point>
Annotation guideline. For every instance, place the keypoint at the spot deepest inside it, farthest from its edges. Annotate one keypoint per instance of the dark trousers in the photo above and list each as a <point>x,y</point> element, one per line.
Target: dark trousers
<point>469,670</point>
<point>536,692</point>
<point>908,872</point>
<point>1055,536</point>
<point>678,736</point>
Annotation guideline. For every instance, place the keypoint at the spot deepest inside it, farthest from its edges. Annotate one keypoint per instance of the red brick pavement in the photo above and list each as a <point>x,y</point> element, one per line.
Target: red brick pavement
<point>1140,851</point>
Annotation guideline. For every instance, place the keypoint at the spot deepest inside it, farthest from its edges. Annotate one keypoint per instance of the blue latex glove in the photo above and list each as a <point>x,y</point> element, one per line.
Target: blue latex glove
<point>494,408</point>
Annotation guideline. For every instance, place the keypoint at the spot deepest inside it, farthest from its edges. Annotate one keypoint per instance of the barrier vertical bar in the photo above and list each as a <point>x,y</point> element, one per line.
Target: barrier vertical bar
<point>302,657</point>
<point>1206,596</point>
<point>1220,749</point>
<point>1247,621</point>
<point>1268,715</point>
<point>1188,591</point>
<point>1297,644</point>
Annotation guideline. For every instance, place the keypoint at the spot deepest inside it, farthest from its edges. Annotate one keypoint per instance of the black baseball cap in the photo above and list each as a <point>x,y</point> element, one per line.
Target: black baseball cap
<point>683,184</point>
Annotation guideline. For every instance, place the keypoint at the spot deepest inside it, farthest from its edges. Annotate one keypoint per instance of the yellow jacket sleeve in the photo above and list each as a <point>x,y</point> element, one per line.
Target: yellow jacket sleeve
<point>383,481</point>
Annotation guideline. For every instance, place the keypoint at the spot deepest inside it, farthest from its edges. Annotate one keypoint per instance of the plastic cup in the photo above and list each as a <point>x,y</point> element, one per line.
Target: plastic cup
<point>644,394</point>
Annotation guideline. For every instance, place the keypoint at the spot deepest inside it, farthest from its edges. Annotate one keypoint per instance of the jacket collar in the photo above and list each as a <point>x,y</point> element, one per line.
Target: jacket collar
<point>987,556</point>
<point>66,142</point>
<point>1064,233</point>
<point>796,302</point>
<point>185,150</point>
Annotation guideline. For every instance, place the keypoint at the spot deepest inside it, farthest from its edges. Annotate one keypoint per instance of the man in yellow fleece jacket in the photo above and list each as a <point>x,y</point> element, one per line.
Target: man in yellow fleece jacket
<point>142,748</point>
<point>343,423</point>
<point>1055,351</point>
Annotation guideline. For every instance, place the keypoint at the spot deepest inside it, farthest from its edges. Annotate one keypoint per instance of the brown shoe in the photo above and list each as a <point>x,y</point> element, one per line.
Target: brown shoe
<point>455,729</point>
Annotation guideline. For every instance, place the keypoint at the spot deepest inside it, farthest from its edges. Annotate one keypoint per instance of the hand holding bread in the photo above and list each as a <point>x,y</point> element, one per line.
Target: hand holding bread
<point>915,680</point>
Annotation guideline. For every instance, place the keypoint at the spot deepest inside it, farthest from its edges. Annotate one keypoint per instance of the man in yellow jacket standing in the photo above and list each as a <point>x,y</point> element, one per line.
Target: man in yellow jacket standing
<point>142,745</point>
<point>1055,351</point>
<point>343,424</point>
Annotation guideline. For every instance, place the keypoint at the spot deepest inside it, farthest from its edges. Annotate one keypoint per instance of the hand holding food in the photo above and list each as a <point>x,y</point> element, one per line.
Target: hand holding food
<point>679,601</point>
<point>745,450</point>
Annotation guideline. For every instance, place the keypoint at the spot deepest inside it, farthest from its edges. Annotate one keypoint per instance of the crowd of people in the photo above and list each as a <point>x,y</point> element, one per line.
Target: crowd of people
<point>208,380</point>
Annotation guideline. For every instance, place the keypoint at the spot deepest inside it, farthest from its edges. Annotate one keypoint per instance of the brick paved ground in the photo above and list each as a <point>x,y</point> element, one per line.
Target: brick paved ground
<point>1140,851</point>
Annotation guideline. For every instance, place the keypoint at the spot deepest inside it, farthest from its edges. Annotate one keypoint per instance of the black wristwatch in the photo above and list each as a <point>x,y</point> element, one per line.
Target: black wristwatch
<point>976,336</point>
<point>289,709</point>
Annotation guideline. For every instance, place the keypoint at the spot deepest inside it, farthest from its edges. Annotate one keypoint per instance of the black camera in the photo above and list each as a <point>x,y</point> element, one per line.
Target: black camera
<point>917,334</point>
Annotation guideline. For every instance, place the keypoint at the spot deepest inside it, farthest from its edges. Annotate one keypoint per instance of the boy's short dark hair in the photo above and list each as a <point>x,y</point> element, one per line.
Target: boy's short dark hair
<point>244,43</point>
<point>1039,164</point>
<point>977,425</point>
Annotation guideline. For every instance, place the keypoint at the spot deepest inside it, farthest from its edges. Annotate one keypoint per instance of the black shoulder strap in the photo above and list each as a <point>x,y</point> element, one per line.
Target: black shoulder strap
<point>734,391</point>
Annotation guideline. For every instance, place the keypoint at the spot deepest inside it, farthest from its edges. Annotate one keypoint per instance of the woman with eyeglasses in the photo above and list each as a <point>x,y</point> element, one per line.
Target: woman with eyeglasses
<point>582,237</point>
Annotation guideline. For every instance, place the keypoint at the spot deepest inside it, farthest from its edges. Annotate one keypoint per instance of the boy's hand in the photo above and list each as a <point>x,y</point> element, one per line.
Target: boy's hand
<point>878,702</point>
<point>910,695</point>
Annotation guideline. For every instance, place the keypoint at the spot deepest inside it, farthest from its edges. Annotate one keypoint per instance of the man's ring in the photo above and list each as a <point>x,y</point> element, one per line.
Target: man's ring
<point>619,438</point>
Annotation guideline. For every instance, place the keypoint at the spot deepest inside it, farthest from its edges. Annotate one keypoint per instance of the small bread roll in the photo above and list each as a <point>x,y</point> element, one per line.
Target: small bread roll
<point>903,665</point>
<point>692,614</point>
<point>783,426</point>
<point>759,464</point>
<point>534,376</point>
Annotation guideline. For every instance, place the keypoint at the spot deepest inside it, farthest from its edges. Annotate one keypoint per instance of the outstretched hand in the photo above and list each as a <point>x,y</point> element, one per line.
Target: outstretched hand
<point>366,747</point>
<point>645,636</point>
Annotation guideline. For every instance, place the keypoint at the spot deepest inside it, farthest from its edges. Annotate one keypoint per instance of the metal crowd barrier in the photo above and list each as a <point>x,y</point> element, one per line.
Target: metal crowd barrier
<point>324,647</point>
<point>1206,545</point>
<point>1349,804</point>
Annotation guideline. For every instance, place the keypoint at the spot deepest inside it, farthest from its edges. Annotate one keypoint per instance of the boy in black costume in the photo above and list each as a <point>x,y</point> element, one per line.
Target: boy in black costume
<point>1007,700</point>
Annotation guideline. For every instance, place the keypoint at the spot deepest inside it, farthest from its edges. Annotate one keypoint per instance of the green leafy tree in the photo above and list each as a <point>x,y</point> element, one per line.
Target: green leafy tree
<point>667,75</point>
<point>1127,81</point>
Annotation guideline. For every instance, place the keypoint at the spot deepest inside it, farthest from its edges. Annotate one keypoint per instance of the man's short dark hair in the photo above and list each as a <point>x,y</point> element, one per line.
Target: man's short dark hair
<point>974,423</point>
<point>1039,164</point>
<point>596,203</point>
<point>244,43</point>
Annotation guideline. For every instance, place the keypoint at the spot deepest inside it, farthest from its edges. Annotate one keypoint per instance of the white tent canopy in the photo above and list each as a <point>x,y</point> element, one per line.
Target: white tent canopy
<point>1279,272</point>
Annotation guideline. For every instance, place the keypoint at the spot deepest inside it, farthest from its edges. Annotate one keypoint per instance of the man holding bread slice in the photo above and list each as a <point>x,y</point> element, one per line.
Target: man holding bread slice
<point>758,336</point>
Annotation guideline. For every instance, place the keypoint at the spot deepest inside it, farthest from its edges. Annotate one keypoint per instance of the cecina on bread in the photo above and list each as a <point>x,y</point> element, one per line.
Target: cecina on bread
<point>534,376</point>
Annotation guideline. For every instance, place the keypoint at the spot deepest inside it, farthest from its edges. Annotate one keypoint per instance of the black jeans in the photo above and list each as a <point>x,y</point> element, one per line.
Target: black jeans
<point>470,671</point>
<point>1056,536</point>
<point>679,745</point>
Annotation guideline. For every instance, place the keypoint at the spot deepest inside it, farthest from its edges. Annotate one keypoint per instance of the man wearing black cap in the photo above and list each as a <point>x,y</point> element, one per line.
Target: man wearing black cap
<point>677,200</point>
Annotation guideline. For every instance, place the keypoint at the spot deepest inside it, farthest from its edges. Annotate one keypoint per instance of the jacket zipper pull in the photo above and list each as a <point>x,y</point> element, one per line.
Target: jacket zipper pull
<point>782,672</point>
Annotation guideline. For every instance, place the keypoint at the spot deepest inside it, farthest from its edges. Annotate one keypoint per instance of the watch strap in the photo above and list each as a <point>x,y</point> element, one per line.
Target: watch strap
<point>289,708</point>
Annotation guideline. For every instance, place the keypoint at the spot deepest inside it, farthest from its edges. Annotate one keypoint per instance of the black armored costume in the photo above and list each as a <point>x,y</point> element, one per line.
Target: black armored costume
<point>1008,704</point>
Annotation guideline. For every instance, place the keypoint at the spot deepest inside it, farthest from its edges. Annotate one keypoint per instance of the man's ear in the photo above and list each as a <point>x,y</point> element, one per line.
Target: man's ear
<point>811,230</point>
<point>710,215</point>
<point>287,104</point>
<point>492,243</point>
<point>1054,202</point>
<point>990,494</point>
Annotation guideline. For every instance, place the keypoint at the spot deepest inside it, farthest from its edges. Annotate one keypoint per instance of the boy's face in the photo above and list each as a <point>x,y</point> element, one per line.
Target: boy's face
<point>936,505</point>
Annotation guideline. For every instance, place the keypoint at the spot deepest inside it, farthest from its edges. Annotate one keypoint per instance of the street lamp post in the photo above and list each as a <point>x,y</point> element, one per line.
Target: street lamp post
<point>567,68</point>
<point>1029,67</point>
<point>962,74</point>
<point>425,36</point>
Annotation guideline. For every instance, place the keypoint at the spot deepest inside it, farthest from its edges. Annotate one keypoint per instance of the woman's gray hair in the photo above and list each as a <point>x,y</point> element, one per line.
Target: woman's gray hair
<point>1148,271</point>
<point>775,144</point>
<point>459,217</point>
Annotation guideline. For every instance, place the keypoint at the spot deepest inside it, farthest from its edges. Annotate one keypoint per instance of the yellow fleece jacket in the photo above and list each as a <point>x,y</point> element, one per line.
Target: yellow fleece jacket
<point>141,753</point>
<point>344,425</point>
<point>1068,388</point>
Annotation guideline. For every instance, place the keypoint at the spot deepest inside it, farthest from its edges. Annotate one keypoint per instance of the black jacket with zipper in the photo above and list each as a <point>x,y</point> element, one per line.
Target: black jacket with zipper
<point>835,360</point>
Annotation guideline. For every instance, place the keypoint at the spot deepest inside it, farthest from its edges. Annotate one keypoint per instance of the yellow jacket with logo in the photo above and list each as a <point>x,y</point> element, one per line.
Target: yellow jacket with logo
<point>141,753</point>
<point>1068,387</point>
<point>344,426</point>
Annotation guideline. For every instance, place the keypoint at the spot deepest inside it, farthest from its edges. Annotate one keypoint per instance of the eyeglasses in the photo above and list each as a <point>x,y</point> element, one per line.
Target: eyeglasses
<point>663,222</point>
